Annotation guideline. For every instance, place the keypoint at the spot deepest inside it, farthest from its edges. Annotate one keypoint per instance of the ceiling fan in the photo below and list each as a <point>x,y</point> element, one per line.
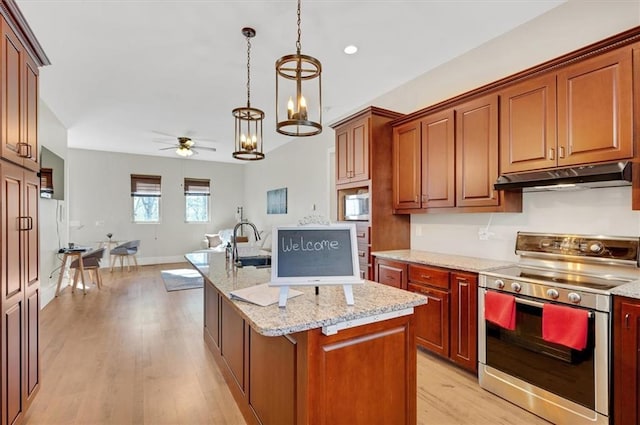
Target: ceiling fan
<point>185,147</point>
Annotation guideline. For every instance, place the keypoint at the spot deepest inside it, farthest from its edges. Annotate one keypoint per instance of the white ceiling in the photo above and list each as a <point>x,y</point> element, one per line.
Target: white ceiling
<point>124,72</point>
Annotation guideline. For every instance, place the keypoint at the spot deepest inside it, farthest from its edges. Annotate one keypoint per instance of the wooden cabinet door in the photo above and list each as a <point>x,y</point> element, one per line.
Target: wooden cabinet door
<point>32,340</point>
<point>477,152</point>
<point>464,321</point>
<point>30,114</point>
<point>232,342</point>
<point>432,319</point>
<point>626,361</point>
<point>406,166</point>
<point>595,109</point>
<point>359,132</point>
<point>11,70</point>
<point>342,155</point>
<point>211,315</point>
<point>31,231</point>
<point>528,125</point>
<point>392,273</point>
<point>438,160</point>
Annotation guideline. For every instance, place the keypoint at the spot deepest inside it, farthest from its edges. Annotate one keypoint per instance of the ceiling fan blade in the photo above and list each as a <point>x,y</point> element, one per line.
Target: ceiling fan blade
<point>205,148</point>
<point>166,149</point>
<point>164,134</point>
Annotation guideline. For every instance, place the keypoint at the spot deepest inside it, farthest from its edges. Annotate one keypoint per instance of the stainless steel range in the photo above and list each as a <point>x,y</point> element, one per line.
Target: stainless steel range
<point>562,384</point>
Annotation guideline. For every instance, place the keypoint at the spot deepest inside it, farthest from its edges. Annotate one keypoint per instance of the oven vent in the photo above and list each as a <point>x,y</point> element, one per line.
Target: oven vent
<point>568,178</point>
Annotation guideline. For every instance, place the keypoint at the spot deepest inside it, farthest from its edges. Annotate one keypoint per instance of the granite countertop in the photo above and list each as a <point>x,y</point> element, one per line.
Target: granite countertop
<point>478,265</point>
<point>457,262</point>
<point>303,312</point>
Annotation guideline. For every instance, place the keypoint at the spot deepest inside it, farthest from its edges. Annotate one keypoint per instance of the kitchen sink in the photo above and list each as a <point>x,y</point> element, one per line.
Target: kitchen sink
<point>254,260</point>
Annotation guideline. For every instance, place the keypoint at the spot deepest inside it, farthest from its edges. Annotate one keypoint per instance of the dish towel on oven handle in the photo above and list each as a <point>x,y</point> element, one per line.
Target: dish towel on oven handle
<point>500,309</point>
<point>565,326</point>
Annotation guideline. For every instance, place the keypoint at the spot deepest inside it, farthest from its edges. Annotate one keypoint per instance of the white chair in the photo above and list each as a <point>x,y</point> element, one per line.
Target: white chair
<point>126,252</point>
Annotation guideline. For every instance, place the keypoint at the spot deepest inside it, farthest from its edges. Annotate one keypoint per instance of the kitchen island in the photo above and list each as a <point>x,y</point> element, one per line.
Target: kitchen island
<point>317,361</point>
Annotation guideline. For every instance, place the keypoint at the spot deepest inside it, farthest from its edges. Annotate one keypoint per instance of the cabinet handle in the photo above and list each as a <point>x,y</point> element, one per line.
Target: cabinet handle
<point>361,235</point>
<point>424,276</point>
<point>23,150</point>
<point>626,321</point>
<point>22,221</point>
<point>415,198</point>
<point>561,152</point>
<point>424,198</point>
<point>552,154</point>
<point>362,254</point>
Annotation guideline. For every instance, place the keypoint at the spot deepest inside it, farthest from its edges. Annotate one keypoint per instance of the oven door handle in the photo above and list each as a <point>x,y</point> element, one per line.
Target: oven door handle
<point>537,304</point>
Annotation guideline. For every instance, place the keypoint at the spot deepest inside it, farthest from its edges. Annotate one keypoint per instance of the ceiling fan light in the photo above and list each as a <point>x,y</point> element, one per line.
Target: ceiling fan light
<point>184,151</point>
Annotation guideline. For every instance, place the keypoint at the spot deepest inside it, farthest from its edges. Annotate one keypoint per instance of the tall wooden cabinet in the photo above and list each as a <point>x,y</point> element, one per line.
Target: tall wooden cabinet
<point>626,361</point>
<point>20,56</point>
<point>363,164</point>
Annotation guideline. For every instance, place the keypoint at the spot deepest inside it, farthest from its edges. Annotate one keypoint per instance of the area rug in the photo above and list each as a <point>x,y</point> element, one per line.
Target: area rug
<point>179,279</point>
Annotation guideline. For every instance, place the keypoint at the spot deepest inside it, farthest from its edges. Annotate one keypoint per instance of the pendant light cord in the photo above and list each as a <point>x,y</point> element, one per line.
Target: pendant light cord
<point>248,72</point>
<point>298,44</point>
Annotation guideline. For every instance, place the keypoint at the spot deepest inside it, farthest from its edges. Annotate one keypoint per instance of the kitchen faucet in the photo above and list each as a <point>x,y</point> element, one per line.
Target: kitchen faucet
<point>235,244</point>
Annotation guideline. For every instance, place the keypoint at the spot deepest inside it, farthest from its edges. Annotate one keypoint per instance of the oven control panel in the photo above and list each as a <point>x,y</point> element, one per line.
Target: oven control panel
<point>543,292</point>
<point>580,247</point>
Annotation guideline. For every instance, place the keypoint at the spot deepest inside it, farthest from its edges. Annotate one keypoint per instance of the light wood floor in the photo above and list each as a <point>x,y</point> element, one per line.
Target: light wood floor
<point>132,353</point>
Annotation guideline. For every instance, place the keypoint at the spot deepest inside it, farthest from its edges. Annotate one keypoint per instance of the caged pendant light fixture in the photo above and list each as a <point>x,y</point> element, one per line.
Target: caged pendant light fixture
<point>248,120</point>
<point>298,93</point>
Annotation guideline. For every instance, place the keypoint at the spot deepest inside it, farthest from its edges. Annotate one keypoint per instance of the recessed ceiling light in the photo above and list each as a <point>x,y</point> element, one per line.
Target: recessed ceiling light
<point>350,49</point>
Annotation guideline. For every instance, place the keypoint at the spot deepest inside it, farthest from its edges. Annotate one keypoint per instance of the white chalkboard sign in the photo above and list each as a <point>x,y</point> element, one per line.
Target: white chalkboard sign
<point>315,256</point>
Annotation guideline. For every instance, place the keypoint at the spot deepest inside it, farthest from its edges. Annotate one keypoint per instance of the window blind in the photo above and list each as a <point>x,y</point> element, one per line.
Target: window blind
<point>142,185</point>
<point>197,187</point>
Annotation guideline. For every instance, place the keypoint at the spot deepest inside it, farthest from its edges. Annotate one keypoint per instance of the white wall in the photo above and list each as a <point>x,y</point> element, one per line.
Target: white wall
<point>573,25</point>
<point>53,213</point>
<point>302,166</point>
<point>100,194</point>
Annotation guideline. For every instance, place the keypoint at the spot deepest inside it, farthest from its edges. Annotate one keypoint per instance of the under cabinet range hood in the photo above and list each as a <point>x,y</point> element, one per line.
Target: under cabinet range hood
<point>568,178</point>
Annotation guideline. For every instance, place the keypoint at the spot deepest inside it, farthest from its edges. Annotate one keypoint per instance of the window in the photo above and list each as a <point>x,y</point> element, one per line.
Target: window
<point>145,196</point>
<point>196,200</point>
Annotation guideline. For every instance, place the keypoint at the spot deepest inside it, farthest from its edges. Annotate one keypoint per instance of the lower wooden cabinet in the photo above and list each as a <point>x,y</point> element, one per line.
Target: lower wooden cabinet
<point>392,273</point>
<point>447,325</point>
<point>432,320</point>
<point>464,320</point>
<point>626,361</point>
<point>20,291</point>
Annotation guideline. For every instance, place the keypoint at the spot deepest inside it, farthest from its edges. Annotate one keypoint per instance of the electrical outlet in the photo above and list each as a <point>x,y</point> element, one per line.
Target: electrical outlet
<point>484,234</point>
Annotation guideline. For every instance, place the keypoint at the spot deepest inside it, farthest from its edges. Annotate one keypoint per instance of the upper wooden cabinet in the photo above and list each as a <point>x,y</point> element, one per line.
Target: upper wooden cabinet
<point>448,161</point>
<point>477,152</point>
<point>18,101</point>
<point>593,102</point>
<point>352,152</point>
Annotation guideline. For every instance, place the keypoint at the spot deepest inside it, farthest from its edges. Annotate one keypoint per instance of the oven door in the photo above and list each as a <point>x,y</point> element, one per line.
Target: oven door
<point>548,379</point>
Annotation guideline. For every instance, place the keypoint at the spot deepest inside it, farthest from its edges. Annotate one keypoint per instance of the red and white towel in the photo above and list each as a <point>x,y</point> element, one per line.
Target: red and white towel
<point>500,309</point>
<point>565,326</point>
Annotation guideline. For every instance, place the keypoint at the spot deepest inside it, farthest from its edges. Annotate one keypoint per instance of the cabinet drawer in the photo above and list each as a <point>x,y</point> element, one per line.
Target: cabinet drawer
<point>392,273</point>
<point>363,255</point>
<point>362,233</point>
<point>429,276</point>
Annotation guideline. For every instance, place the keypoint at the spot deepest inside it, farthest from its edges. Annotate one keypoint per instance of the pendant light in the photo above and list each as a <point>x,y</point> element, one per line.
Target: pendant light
<point>298,93</point>
<point>248,120</point>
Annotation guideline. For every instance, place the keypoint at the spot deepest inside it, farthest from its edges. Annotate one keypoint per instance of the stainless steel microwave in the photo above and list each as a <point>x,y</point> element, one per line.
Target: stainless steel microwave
<point>356,207</point>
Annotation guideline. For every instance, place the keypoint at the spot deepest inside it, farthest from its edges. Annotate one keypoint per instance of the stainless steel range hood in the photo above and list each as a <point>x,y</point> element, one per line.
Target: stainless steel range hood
<point>568,178</point>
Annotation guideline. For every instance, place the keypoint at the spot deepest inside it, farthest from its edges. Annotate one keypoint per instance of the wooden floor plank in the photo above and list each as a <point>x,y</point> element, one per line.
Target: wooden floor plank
<point>133,353</point>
